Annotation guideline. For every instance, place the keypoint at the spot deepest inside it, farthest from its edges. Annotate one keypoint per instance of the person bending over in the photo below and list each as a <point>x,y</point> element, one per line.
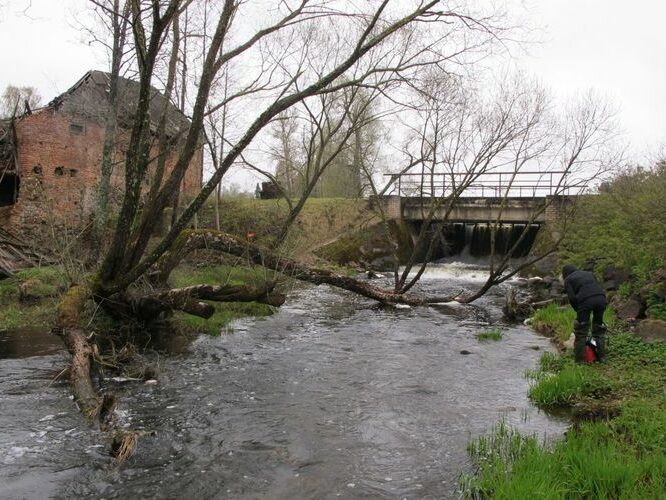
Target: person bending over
<point>588,299</point>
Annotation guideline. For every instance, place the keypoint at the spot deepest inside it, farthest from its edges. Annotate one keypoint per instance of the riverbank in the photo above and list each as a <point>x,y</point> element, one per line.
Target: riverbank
<point>30,297</point>
<point>616,445</point>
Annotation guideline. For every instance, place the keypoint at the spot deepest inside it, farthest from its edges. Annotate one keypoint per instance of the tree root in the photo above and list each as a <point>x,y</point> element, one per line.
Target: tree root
<point>124,446</point>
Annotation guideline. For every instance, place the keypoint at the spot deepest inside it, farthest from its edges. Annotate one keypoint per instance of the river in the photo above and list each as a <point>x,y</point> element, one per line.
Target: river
<point>331,397</point>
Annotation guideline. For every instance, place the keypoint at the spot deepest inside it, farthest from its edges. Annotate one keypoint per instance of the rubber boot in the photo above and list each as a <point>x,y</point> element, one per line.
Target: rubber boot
<point>599,336</point>
<point>580,333</point>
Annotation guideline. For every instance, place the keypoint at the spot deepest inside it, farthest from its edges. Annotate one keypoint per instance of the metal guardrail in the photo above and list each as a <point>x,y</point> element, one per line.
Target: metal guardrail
<point>489,184</point>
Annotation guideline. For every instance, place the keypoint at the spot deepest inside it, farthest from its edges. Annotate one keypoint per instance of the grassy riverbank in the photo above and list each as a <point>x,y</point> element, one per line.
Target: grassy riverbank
<point>616,447</point>
<point>556,322</point>
<point>30,297</point>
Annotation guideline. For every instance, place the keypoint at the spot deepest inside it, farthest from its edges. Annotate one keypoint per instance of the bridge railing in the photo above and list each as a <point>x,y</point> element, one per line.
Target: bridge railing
<point>490,184</point>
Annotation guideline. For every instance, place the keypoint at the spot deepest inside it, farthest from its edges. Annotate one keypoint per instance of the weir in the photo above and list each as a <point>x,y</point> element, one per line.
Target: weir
<point>475,239</point>
<point>518,204</point>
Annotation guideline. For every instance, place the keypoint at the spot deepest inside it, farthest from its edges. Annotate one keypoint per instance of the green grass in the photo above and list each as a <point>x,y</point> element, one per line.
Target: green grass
<point>46,284</point>
<point>15,315</point>
<point>569,385</point>
<point>613,454</point>
<point>219,275</point>
<point>225,312</point>
<point>632,369</point>
<point>493,334</point>
<point>557,321</point>
<point>623,458</point>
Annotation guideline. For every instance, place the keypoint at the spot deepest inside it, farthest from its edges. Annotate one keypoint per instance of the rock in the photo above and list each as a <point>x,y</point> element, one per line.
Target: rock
<point>627,309</point>
<point>538,283</point>
<point>613,277</point>
<point>652,330</point>
<point>556,288</point>
<point>383,264</point>
<point>33,289</point>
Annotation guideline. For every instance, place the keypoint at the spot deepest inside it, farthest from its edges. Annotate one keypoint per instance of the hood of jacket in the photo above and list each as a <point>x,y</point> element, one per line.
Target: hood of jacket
<point>568,269</point>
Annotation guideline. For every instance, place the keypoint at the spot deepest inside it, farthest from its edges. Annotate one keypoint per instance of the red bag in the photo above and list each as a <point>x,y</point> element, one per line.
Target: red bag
<point>590,354</point>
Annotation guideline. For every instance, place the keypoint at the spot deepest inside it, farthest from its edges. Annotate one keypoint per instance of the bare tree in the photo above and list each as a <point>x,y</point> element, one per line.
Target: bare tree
<point>288,173</point>
<point>371,47</point>
<point>113,17</point>
<point>18,100</point>
<point>461,137</point>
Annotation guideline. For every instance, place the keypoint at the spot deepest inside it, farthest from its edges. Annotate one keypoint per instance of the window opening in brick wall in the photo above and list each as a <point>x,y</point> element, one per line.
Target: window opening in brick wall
<point>76,128</point>
<point>73,172</point>
<point>9,189</point>
<point>59,171</point>
<point>37,170</point>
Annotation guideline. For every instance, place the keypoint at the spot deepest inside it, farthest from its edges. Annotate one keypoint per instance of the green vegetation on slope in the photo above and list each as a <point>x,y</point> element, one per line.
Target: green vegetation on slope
<point>623,458</point>
<point>624,226</point>
<point>320,221</point>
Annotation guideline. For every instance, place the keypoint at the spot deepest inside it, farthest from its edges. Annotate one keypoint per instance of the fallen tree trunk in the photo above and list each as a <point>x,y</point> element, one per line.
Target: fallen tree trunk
<point>216,240</point>
<point>68,325</point>
<point>189,299</point>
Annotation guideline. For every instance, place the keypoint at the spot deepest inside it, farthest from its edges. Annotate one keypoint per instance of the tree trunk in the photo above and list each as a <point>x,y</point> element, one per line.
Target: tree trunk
<point>67,324</point>
<point>191,240</point>
<point>189,299</point>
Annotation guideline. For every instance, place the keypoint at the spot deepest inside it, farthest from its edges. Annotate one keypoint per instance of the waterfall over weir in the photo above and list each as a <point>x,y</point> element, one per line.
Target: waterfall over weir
<point>474,239</point>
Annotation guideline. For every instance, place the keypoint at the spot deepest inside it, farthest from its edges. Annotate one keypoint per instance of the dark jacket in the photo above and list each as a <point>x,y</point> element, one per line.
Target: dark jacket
<point>580,285</point>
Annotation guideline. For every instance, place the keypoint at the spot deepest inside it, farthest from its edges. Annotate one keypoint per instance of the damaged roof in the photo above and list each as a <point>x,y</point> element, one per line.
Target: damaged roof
<point>88,98</point>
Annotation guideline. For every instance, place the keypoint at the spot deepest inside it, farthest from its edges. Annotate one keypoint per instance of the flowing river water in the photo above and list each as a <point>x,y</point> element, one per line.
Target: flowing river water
<point>331,397</point>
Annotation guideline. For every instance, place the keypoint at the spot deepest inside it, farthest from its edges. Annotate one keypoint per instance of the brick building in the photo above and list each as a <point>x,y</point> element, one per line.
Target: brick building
<point>50,158</point>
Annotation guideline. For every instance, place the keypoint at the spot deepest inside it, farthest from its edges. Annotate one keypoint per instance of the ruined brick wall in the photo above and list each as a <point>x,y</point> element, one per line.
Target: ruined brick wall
<point>58,169</point>
<point>59,162</point>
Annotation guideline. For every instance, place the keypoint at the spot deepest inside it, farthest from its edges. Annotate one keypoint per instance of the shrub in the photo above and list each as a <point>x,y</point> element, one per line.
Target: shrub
<point>625,226</point>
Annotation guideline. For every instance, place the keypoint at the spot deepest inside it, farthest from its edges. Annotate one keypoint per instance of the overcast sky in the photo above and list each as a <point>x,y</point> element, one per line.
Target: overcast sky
<point>600,44</point>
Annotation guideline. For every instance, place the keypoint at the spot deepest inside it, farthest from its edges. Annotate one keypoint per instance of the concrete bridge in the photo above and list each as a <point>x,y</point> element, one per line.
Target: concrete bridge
<point>530,198</point>
<point>473,210</point>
